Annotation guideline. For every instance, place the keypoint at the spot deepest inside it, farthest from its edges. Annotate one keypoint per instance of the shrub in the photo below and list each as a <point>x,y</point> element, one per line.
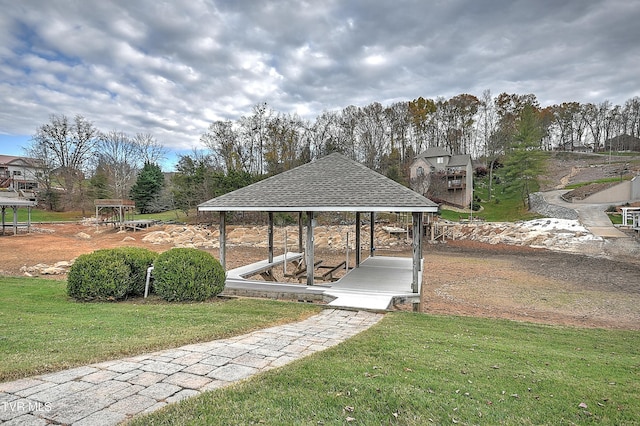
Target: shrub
<point>138,259</point>
<point>99,276</point>
<point>182,274</point>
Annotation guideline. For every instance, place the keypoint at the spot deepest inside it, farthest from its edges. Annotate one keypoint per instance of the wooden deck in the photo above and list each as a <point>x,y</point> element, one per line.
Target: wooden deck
<point>376,284</point>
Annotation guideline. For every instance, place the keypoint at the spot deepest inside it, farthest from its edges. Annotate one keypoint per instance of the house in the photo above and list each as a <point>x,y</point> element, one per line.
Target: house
<point>19,173</point>
<point>570,146</point>
<point>622,143</point>
<point>443,177</point>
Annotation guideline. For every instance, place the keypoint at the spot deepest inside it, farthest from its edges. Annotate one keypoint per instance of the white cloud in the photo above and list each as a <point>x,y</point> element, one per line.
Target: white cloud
<point>170,68</point>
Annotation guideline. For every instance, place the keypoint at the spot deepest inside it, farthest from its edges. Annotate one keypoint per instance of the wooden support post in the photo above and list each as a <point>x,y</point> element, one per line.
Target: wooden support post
<point>270,237</point>
<point>309,251</point>
<point>372,246</point>
<point>223,240</point>
<point>300,227</point>
<point>417,240</point>
<point>421,232</point>
<point>15,220</point>
<point>357,239</point>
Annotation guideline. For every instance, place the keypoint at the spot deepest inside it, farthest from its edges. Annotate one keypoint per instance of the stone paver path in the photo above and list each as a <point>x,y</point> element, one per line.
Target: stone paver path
<point>111,392</point>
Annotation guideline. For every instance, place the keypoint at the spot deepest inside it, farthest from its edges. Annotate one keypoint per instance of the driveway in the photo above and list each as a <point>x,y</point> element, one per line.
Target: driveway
<point>592,216</point>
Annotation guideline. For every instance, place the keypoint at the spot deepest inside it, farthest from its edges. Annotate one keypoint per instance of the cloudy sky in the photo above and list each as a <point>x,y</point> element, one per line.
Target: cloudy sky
<point>171,67</point>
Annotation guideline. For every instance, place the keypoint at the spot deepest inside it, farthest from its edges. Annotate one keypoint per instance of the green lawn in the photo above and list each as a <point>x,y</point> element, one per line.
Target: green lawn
<point>42,330</point>
<point>38,215</point>
<point>410,369</point>
<point>504,206</point>
<point>416,369</point>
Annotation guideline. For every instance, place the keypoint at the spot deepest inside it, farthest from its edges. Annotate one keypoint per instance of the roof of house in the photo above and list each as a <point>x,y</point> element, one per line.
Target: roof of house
<point>331,183</point>
<point>459,160</point>
<point>21,161</point>
<point>435,151</point>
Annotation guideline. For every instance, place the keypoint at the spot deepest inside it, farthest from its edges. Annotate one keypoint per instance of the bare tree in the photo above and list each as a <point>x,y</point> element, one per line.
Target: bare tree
<point>228,153</point>
<point>119,160</point>
<point>66,149</point>
<point>150,150</point>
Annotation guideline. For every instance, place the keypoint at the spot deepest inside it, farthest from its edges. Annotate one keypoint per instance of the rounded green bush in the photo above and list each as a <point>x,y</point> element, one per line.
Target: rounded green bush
<point>99,276</point>
<point>139,259</point>
<point>182,274</point>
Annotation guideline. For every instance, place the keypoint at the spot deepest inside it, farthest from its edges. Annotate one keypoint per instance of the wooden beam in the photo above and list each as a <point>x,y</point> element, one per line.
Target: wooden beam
<point>357,239</point>
<point>270,237</point>
<point>309,251</point>
<point>223,240</point>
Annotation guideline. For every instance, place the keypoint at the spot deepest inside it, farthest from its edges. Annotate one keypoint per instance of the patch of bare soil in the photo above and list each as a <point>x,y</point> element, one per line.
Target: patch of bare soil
<point>534,285</point>
<point>565,168</point>
<point>460,277</point>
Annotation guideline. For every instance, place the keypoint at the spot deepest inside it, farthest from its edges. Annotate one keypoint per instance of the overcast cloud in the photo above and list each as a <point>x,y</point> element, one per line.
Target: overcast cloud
<point>170,68</point>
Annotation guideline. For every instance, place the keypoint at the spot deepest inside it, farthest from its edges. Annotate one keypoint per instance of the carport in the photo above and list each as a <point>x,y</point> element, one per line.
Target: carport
<point>333,183</point>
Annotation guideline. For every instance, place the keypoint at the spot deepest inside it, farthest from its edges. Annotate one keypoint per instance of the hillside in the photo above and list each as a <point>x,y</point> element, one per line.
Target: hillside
<point>566,168</point>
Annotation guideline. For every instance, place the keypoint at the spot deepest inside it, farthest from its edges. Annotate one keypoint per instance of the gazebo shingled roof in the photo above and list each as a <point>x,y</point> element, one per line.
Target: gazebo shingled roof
<point>331,183</point>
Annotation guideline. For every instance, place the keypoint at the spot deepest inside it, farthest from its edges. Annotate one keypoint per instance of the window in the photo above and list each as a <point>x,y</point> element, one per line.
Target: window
<point>420,171</point>
<point>440,160</point>
<point>17,173</point>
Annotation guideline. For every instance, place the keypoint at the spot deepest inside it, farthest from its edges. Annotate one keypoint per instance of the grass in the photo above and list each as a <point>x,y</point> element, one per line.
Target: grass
<point>616,218</point>
<point>171,215</point>
<point>38,215</point>
<point>504,206</point>
<point>410,369</point>
<point>42,330</point>
<point>415,369</point>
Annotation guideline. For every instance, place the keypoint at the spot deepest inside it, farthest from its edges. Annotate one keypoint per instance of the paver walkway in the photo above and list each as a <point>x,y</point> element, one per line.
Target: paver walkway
<point>111,392</point>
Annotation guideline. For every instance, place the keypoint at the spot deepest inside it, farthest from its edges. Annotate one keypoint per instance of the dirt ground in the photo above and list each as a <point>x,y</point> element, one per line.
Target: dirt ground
<point>460,277</point>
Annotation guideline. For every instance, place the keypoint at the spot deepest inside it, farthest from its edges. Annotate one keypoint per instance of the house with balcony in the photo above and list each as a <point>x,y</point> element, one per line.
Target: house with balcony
<point>19,173</point>
<point>443,177</point>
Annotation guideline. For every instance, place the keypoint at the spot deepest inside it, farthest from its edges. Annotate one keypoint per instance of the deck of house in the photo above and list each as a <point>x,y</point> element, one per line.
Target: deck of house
<point>377,284</point>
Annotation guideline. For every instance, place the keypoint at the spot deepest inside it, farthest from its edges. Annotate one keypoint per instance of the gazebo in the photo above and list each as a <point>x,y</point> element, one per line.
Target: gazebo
<point>333,183</point>
<point>14,203</point>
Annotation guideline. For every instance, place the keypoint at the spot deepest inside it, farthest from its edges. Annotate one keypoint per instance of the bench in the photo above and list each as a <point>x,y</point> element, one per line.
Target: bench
<point>263,266</point>
<point>328,276</point>
<point>301,271</point>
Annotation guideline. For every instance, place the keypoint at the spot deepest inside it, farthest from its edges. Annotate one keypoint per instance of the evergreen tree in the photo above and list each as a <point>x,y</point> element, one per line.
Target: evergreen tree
<point>524,161</point>
<point>147,187</point>
<point>99,186</point>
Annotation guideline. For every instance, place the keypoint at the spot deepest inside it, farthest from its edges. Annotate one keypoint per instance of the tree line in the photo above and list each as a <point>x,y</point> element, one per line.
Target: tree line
<point>266,142</point>
<point>387,138</point>
<point>78,163</point>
